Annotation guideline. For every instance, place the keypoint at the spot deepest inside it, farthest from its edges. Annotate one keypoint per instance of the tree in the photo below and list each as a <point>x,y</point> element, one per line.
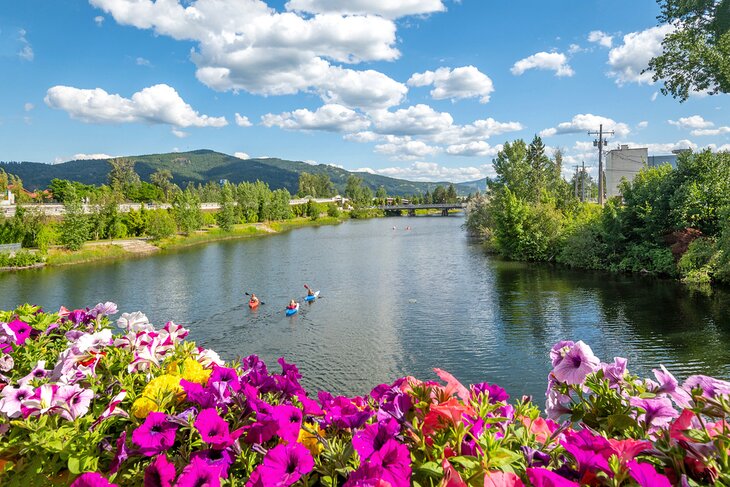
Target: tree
<point>226,217</point>
<point>186,208</point>
<point>122,176</point>
<point>162,178</point>
<point>512,169</point>
<point>3,182</point>
<point>696,53</point>
<point>540,167</point>
<point>160,225</point>
<point>381,194</point>
<point>74,227</point>
<point>451,194</point>
<point>315,185</point>
<point>358,193</point>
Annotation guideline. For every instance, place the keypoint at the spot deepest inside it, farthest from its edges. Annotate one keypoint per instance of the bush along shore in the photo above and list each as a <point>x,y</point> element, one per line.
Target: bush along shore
<point>83,406</point>
<point>669,222</point>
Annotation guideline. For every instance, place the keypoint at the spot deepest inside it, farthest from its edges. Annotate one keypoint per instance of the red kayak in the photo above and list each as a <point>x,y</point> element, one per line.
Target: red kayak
<point>253,304</point>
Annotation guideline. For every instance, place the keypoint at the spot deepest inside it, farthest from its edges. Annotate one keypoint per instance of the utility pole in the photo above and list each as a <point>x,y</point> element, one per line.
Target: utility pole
<point>600,142</point>
<point>583,183</point>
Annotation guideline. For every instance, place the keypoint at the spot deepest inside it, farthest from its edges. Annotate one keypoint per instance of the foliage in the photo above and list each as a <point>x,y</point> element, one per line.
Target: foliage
<point>316,185</point>
<point>20,259</point>
<point>75,226</point>
<point>160,224</point>
<point>163,409</point>
<point>696,53</point>
<point>226,216</point>
<point>186,209</point>
<point>333,211</point>
<point>698,264</point>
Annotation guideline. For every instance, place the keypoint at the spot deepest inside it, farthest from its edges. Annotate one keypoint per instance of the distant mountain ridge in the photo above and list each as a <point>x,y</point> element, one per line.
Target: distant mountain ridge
<point>201,166</point>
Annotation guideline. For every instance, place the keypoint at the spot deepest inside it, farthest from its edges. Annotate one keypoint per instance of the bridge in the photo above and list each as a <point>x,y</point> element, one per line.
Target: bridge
<point>411,209</point>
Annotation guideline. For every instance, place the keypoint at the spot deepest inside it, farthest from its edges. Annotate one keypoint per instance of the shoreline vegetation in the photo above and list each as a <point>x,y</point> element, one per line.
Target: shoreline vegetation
<point>107,250</point>
<point>671,222</point>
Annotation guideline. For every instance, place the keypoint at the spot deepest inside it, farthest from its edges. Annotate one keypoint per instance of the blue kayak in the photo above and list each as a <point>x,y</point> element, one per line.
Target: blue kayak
<point>312,297</point>
<point>291,311</point>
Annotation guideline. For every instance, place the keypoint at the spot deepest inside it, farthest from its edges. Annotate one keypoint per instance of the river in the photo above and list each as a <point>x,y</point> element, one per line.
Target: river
<point>397,302</point>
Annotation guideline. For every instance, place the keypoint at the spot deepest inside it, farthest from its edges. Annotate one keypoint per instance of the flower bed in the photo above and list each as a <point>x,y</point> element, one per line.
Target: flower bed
<point>81,406</point>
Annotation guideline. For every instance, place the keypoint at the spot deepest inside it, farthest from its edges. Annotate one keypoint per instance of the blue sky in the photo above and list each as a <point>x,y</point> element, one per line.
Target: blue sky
<point>420,89</point>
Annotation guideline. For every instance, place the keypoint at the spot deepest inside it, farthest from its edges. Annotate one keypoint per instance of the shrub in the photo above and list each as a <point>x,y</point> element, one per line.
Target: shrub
<point>699,262</point>
<point>160,225</point>
<point>333,210</point>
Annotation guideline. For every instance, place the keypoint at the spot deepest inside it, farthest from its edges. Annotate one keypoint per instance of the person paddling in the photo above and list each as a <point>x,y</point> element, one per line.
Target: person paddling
<point>292,304</point>
<point>310,292</point>
<point>254,301</point>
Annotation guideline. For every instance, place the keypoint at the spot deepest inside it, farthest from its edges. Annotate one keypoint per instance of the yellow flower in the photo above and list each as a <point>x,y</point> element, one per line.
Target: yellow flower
<point>143,406</point>
<point>157,394</point>
<point>193,371</point>
<point>309,440</point>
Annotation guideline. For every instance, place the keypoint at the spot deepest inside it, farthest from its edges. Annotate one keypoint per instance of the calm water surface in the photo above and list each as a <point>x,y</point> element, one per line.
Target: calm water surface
<point>398,302</point>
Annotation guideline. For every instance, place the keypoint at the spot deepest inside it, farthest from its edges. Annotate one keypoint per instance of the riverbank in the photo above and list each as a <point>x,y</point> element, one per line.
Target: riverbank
<point>106,250</point>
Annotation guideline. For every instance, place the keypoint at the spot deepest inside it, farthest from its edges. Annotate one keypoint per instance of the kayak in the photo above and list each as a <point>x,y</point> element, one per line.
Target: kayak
<point>312,297</point>
<point>253,304</point>
<point>291,311</point>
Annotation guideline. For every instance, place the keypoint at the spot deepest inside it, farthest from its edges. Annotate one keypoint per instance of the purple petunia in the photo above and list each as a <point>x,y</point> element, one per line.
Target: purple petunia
<point>576,364</point>
<point>368,475</point>
<point>616,371</point>
<point>372,437</point>
<point>159,473</point>
<point>657,412</point>
<point>711,387</point>
<point>198,473</point>
<point>92,479</point>
<point>669,385</point>
<point>155,435</point>
<point>213,429</point>
<point>220,459</point>
<point>283,465</point>
<point>289,421</point>
<point>494,392</point>
<point>73,401</point>
<point>121,454</point>
<point>11,400</point>
<point>395,458</point>
<point>646,475</point>
<point>542,477</point>
<point>21,330</point>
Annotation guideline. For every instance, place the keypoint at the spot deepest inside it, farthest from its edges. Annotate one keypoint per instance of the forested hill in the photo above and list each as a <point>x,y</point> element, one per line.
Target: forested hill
<point>201,166</point>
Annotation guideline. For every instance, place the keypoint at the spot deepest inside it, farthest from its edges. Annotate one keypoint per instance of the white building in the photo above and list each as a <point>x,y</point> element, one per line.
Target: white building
<point>623,163</point>
<point>7,199</point>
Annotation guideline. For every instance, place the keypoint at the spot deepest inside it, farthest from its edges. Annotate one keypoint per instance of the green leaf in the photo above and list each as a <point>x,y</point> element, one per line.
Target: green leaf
<point>74,465</point>
<point>467,462</point>
<point>430,469</point>
<point>621,422</point>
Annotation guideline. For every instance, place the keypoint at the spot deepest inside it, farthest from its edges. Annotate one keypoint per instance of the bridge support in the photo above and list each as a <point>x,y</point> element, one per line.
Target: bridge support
<point>444,212</point>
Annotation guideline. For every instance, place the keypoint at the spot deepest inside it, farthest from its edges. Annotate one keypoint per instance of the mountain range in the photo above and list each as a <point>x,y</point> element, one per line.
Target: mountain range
<point>201,166</point>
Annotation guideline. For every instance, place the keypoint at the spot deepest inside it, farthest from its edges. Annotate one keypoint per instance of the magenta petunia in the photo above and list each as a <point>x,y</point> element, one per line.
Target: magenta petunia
<point>669,385</point>
<point>283,465</point>
<point>155,435</point>
<point>21,329</point>
<point>121,454</point>
<point>220,459</point>
<point>368,475</point>
<point>224,378</point>
<point>372,437</point>
<point>92,479</point>
<point>395,458</point>
<point>198,473</point>
<point>289,421</point>
<point>576,364</point>
<point>204,397</point>
<point>542,477</point>
<point>160,473</point>
<point>616,371</point>
<point>646,475</point>
<point>494,392</point>
<point>214,429</point>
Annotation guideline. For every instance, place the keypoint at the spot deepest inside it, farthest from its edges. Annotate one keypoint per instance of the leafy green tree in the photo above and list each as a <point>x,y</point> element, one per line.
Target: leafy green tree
<point>3,181</point>
<point>381,194</point>
<point>702,190</point>
<point>122,177</point>
<point>359,193</point>
<point>226,217</point>
<point>160,225</point>
<point>186,208</point>
<point>451,195</point>
<point>280,208</point>
<point>512,169</point>
<point>315,185</point>
<point>439,195</point>
<point>696,53</point>
<point>75,225</point>
<point>162,178</point>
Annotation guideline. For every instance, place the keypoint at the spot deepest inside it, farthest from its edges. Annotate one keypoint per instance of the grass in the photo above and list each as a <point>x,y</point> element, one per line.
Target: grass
<point>58,257</point>
<point>286,225</point>
<point>246,230</point>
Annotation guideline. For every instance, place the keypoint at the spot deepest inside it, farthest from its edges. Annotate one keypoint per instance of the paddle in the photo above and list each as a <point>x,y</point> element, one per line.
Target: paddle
<point>260,302</point>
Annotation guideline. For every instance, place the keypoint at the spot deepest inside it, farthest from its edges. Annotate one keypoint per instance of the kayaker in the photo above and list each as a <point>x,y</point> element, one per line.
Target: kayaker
<point>292,304</point>
<point>310,292</point>
<point>254,300</point>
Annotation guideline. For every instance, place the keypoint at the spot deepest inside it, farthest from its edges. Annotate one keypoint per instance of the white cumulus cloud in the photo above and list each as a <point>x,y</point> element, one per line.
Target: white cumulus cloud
<point>456,84</point>
<point>99,20</point>
<point>587,122</point>
<point>600,38</point>
<point>693,122</point>
<point>386,8</point>
<point>551,61</point>
<point>474,149</point>
<point>158,104</point>
<point>242,121</point>
<point>329,118</point>
<point>628,61</point>
<point>414,120</point>
<point>716,131</point>
<point>247,45</point>
<point>433,172</point>
<point>405,148</point>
